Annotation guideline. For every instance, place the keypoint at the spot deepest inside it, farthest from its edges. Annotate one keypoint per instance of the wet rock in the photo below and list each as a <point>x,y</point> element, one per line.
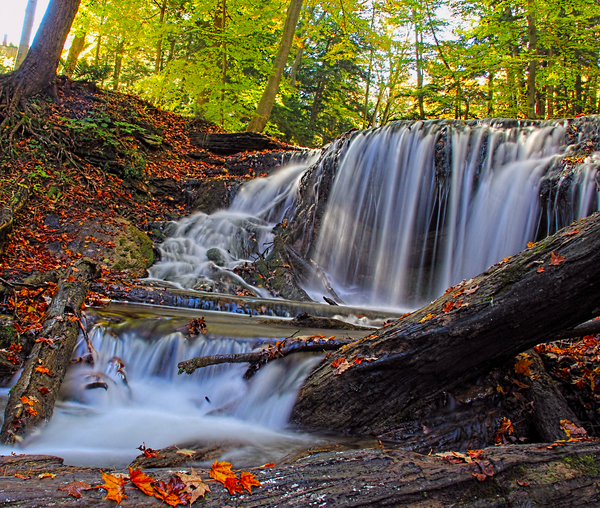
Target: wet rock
<point>216,256</point>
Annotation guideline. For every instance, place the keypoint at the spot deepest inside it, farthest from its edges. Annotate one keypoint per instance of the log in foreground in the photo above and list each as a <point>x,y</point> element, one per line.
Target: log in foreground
<point>31,401</point>
<point>480,323</point>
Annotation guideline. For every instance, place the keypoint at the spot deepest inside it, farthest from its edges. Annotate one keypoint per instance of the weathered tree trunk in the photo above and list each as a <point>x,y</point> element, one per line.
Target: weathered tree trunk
<point>7,214</point>
<point>26,33</point>
<point>74,51</point>
<point>31,401</point>
<point>480,323</point>
<point>259,120</point>
<point>38,70</point>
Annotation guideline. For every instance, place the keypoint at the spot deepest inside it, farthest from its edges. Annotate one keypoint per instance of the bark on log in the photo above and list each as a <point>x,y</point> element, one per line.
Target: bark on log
<point>232,143</point>
<point>45,367</point>
<point>477,325</point>
<point>550,406</point>
<point>527,475</point>
<point>8,213</point>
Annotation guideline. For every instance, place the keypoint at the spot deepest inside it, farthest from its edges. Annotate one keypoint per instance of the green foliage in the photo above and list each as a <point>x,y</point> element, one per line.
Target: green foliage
<point>359,64</point>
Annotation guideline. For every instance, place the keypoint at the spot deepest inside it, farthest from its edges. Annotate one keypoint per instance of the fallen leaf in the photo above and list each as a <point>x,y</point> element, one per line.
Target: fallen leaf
<point>43,390</point>
<point>556,260</point>
<point>522,366</point>
<point>220,471</point>
<point>522,483</point>
<point>269,464</point>
<point>142,481</point>
<point>343,367</point>
<point>194,485</point>
<point>505,260</point>
<point>75,488</point>
<point>186,452</point>
<point>44,370</point>
<point>471,290</point>
<point>31,411</point>
<point>572,430</point>
<point>114,486</point>
<point>46,475</point>
<point>233,486</point>
<point>28,401</point>
<point>541,269</point>
<point>427,317</point>
<point>530,244</point>
<point>22,476</point>
<point>571,233</point>
<point>338,362</point>
<point>173,493</point>
<point>248,480</point>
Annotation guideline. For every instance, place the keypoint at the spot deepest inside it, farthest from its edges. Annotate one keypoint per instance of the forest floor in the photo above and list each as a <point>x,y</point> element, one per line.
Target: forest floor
<point>106,172</point>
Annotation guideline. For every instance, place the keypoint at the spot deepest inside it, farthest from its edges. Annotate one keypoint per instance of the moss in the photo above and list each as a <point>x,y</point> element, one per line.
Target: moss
<point>8,334</point>
<point>586,464</point>
<point>133,251</point>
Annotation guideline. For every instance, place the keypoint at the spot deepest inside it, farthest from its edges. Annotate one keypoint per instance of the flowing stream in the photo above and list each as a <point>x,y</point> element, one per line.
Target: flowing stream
<point>412,209</point>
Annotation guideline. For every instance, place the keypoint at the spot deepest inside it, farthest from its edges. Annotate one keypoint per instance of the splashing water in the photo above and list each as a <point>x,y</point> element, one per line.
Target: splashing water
<point>203,248</point>
<point>102,418</point>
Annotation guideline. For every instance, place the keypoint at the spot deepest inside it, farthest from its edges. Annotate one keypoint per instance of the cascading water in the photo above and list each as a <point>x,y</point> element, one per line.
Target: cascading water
<point>133,394</point>
<point>203,248</point>
<point>413,208</point>
<point>418,206</point>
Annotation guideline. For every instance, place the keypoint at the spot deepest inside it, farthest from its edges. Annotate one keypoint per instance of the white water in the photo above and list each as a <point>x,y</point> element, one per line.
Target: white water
<point>158,407</point>
<point>241,233</point>
<point>392,236</point>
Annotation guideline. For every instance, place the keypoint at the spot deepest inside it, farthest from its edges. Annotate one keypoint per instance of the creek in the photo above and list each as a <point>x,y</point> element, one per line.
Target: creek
<point>400,214</point>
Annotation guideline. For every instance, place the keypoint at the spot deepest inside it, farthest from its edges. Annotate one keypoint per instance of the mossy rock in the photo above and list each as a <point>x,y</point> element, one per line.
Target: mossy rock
<point>133,252</point>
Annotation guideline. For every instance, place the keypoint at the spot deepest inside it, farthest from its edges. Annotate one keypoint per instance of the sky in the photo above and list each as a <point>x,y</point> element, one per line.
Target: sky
<point>12,13</point>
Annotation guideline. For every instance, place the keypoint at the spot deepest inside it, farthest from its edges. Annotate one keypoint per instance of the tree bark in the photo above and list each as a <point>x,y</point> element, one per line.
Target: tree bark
<point>38,70</point>
<point>260,118</point>
<point>532,47</point>
<point>7,214</point>
<point>31,401</point>
<point>477,325</point>
<point>74,51</point>
<point>26,33</point>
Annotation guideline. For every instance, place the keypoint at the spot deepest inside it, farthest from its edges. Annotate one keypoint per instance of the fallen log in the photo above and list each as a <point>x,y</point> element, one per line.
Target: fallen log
<point>31,401</point>
<point>10,210</point>
<point>528,475</point>
<point>235,142</point>
<point>256,359</point>
<point>480,323</point>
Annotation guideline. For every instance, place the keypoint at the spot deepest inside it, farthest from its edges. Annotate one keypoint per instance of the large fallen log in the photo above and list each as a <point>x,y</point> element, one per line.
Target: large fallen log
<point>516,304</point>
<point>31,401</point>
<point>529,475</point>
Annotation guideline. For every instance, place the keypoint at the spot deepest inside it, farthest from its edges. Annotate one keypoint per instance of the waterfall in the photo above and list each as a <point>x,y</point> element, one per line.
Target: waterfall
<point>132,394</point>
<point>202,249</point>
<point>395,215</point>
<point>415,207</point>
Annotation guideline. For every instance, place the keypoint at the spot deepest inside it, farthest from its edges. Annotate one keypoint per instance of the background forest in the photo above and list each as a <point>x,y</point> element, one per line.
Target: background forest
<point>352,64</point>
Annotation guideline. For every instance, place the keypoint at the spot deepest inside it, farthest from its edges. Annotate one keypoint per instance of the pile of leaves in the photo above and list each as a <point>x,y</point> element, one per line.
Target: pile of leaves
<point>180,489</point>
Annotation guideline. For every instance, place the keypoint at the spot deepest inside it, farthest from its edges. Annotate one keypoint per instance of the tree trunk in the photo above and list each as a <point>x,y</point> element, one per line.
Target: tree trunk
<point>38,70</point>
<point>478,324</point>
<point>31,401</point>
<point>532,47</point>
<point>74,51</point>
<point>419,66</point>
<point>158,61</point>
<point>26,33</point>
<point>259,120</point>
<point>118,65</point>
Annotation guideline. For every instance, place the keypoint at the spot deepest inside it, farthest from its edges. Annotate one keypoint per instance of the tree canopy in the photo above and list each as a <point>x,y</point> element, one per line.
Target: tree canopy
<point>351,64</point>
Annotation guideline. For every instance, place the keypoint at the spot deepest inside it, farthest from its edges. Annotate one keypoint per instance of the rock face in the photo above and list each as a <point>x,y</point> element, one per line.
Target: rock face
<point>232,143</point>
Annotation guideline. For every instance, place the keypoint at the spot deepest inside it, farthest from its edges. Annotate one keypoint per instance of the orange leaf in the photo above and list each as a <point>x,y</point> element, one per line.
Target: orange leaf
<point>270,464</point>
<point>248,480</point>
<point>31,411</point>
<point>541,269</point>
<point>220,471</point>
<point>427,317</point>
<point>43,390</point>
<point>172,493</point>
<point>571,233</point>
<point>556,260</point>
<point>338,362</point>
<point>530,244</point>
<point>44,370</point>
<point>233,486</point>
<point>194,485</point>
<point>114,486</point>
<point>28,401</point>
<point>46,475</point>
<point>142,481</point>
<point>343,367</point>
<point>75,488</point>
<point>522,366</point>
